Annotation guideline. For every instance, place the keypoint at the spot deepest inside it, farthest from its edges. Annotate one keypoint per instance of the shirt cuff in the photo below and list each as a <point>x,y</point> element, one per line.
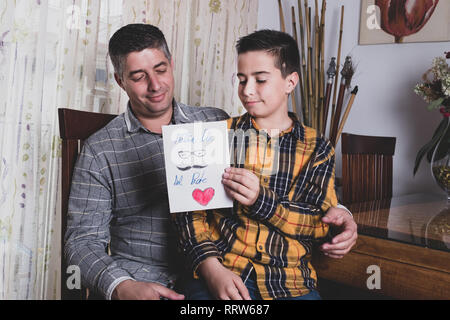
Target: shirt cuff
<point>264,206</point>
<point>200,254</point>
<point>113,285</point>
<point>340,206</point>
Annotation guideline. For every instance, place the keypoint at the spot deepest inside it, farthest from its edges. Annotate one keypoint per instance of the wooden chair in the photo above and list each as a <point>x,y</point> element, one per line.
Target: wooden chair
<point>74,127</point>
<point>366,176</point>
<point>366,167</point>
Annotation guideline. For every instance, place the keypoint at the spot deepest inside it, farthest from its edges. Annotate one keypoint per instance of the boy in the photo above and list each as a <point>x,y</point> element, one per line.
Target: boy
<point>262,250</point>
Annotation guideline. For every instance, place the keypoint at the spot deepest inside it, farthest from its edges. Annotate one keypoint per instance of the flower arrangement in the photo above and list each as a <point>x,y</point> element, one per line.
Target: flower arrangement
<point>435,91</point>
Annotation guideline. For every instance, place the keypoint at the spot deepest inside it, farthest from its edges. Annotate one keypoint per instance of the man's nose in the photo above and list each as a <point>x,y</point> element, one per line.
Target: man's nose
<point>154,84</point>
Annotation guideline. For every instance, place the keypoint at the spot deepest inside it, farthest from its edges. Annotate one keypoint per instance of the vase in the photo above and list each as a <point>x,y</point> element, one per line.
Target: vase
<point>440,161</point>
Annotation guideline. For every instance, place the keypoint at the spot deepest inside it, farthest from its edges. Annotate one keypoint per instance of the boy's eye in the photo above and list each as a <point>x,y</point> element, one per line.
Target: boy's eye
<point>242,80</point>
<point>260,80</point>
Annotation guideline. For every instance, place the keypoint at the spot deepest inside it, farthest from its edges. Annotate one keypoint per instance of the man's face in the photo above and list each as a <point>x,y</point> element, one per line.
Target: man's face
<point>148,81</point>
<point>262,88</point>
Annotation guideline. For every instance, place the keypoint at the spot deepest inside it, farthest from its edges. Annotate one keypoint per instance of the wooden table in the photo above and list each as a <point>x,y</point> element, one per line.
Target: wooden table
<point>408,238</point>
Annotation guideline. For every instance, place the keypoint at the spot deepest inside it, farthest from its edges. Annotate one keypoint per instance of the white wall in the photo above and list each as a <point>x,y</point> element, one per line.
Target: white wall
<point>386,74</point>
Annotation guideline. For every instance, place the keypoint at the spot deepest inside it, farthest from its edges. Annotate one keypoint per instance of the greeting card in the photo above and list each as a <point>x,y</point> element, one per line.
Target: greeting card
<point>196,155</point>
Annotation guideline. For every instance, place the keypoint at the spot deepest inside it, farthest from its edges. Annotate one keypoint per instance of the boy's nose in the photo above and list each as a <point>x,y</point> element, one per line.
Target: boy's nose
<point>249,88</point>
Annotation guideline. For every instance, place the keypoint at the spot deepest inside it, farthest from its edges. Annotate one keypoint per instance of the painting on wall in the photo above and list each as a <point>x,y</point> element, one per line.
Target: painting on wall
<point>402,21</point>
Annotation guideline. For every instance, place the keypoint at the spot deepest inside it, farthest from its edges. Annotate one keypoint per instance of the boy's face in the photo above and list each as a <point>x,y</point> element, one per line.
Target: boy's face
<point>148,81</point>
<point>262,89</point>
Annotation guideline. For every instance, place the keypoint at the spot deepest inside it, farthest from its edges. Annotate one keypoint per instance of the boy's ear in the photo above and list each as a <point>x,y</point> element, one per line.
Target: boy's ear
<point>291,81</point>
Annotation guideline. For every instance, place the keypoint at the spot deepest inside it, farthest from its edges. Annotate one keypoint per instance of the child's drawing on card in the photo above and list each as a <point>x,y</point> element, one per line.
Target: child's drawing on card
<point>191,159</point>
<point>196,155</point>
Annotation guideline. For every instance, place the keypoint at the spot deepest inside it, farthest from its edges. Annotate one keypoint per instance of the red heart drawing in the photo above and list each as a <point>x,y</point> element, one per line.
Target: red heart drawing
<point>203,197</point>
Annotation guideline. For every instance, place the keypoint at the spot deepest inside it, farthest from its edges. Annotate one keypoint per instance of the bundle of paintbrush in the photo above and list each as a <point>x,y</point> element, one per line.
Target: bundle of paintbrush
<point>315,91</point>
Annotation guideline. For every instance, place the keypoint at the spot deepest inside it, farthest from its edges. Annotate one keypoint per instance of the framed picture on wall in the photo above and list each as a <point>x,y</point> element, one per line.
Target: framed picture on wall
<point>401,21</point>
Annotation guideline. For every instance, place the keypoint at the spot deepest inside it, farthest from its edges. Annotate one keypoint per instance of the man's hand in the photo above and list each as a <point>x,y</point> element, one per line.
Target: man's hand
<point>135,290</point>
<point>222,283</point>
<point>242,185</point>
<point>342,243</point>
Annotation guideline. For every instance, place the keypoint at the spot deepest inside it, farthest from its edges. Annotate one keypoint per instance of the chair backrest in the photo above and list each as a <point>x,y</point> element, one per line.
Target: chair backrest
<point>366,167</point>
<point>74,127</point>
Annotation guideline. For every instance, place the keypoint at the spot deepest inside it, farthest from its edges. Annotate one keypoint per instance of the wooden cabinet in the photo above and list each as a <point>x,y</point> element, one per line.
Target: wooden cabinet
<point>407,239</point>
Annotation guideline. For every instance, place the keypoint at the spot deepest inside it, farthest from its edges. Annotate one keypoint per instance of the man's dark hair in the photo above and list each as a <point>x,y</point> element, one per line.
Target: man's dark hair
<point>135,38</point>
<point>279,44</point>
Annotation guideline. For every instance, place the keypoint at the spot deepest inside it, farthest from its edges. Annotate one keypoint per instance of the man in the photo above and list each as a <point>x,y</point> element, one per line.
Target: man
<point>119,195</point>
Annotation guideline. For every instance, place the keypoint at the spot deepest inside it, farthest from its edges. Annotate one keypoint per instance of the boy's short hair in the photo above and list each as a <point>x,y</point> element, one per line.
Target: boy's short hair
<point>279,44</point>
<point>135,38</point>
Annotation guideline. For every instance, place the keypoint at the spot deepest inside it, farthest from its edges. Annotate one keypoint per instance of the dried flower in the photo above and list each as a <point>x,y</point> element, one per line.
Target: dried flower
<point>435,90</point>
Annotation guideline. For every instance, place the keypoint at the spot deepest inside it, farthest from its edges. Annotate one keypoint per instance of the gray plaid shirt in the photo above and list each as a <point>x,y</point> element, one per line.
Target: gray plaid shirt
<point>119,196</point>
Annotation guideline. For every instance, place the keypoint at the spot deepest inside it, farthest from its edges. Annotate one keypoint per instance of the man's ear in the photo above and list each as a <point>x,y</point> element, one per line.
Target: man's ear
<point>118,80</point>
<point>291,81</point>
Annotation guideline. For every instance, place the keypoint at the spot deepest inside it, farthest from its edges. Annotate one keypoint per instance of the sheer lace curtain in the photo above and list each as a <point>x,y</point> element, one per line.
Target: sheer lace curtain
<point>53,53</point>
<point>202,35</point>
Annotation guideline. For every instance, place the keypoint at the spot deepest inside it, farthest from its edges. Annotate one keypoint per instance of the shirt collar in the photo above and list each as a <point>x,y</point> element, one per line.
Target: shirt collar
<point>179,116</point>
<point>297,129</point>
<point>133,124</point>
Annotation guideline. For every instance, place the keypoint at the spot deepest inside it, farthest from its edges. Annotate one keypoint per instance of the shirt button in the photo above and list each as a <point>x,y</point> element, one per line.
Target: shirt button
<point>265,179</point>
<point>260,247</point>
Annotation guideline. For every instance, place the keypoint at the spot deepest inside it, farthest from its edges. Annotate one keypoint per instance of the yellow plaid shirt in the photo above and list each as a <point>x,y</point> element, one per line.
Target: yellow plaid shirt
<point>274,237</point>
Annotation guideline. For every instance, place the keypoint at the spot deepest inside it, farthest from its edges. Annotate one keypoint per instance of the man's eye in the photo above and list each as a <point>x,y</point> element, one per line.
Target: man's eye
<point>161,70</point>
<point>138,78</point>
<point>260,81</point>
<point>242,82</point>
